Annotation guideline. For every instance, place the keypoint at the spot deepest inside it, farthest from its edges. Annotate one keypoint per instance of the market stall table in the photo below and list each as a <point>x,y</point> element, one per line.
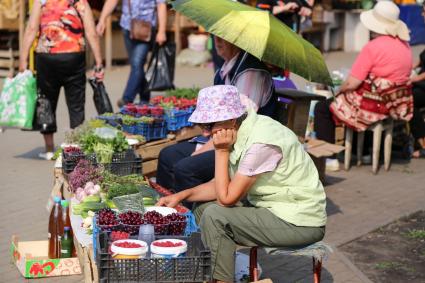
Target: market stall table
<point>295,117</point>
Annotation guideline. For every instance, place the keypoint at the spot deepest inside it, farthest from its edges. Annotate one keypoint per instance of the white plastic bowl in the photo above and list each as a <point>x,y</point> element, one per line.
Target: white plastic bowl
<point>130,251</point>
<point>168,252</point>
<point>163,210</point>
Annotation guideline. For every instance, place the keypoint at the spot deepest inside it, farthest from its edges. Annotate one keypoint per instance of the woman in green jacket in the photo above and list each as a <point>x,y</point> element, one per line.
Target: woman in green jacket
<point>261,161</point>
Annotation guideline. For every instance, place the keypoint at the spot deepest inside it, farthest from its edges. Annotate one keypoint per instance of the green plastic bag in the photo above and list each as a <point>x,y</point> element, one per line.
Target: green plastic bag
<point>17,101</point>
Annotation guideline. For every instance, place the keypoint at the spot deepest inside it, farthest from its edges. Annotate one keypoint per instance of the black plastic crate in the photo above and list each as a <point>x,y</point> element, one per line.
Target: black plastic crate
<point>194,267</point>
<point>123,163</point>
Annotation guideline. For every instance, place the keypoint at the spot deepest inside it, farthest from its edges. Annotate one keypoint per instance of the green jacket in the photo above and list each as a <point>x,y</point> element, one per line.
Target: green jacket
<point>292,191</point>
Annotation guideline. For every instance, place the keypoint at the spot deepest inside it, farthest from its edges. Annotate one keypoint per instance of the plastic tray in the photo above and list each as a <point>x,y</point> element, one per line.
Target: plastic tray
<point>154,131</point>
<point>195,266</point>
<point>123,163</point>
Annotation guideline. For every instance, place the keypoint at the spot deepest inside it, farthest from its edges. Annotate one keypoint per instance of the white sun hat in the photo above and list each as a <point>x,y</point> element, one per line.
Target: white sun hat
<point>384,19</point>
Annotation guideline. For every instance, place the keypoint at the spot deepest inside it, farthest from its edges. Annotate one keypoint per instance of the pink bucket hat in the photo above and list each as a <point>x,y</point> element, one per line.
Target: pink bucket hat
<point>217,103</point>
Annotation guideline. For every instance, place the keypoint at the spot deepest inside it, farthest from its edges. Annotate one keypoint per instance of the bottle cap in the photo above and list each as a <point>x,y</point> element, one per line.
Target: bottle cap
<point>66,228</point>
<point>65,203</point>
<point>57,199</point>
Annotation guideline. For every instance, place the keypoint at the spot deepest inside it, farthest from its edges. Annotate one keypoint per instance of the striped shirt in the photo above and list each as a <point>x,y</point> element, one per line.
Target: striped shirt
<point>255,84</point>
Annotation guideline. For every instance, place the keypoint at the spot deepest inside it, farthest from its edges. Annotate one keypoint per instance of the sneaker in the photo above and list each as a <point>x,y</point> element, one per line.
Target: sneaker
<point>332,165</point>
<point>46,155</point>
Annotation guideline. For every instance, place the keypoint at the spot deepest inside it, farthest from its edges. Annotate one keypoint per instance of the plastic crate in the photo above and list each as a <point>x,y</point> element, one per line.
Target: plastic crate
<point>177,119</point>
<point>123,163</point>
<point>131,129</point>
<point>155,131</point>
<point>195,266</point>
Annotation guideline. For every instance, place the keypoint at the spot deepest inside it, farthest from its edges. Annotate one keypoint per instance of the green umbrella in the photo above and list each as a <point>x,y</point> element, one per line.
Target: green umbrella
<point>259,33</point>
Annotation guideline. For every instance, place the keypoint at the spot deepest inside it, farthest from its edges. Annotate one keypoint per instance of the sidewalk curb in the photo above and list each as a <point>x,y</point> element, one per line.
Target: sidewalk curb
<point>359,274</point>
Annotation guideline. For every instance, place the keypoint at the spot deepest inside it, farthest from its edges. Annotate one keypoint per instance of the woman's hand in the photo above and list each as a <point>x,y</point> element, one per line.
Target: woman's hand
<point>224,139</point>
<point>23,65</point>
<point>98,73</point>
<point>100,28</point>
<point>169,201</point>
<point>161,38</point>
<point>290,7</point>
<point>305,12</point>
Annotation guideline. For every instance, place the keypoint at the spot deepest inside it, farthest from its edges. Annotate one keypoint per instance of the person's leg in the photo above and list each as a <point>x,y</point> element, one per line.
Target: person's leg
<point>417,124</point>
<point>49,85</point>
<point>194,170</point>
<point>324,125</point>
<point>137,52</point>
<point>168,158</point>
<point>225,227</point>
<point>75,88</point>
<point>145,94</point>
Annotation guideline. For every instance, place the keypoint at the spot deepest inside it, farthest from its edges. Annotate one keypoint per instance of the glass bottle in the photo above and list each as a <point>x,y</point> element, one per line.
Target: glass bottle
<point>55,229</point>
<point>66,243</point>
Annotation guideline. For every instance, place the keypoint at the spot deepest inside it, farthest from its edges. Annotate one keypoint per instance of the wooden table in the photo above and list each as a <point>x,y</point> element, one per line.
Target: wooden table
<point>294,108</point>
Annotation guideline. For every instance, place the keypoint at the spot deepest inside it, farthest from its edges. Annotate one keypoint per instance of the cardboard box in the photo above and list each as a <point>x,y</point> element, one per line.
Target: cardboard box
<point>31,258</point>
<point>319,148</point>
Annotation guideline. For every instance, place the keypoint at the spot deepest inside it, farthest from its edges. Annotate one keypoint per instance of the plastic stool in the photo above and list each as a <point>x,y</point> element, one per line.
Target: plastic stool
<point>377,128</point>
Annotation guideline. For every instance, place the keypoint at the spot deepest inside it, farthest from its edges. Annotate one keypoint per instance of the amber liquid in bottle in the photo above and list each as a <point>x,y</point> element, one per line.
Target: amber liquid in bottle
<point>55,229</point>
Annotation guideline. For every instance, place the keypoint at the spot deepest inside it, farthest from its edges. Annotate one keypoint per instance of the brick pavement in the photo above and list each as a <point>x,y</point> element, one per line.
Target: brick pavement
<point>358,202</point>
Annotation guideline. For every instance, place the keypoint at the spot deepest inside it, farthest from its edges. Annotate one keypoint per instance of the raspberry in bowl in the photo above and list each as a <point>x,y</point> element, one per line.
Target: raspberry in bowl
<point>129,249</point>
<point>168,248</point>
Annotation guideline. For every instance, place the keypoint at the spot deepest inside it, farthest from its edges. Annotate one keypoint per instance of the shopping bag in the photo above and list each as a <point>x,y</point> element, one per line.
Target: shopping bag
<point>160,73</point>
<point>44,118</point>
<point>17,101</point>
<point>100,97</point>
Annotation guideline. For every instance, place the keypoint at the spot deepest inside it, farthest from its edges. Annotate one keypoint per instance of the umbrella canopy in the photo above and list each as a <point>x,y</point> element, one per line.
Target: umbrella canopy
<point>259,33</point>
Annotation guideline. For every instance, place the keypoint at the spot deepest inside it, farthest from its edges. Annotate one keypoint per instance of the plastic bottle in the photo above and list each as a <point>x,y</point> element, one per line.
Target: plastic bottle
<point>66,243</point>
<point>67,222</point>
<point>147,234</point>
<point>55,229</point>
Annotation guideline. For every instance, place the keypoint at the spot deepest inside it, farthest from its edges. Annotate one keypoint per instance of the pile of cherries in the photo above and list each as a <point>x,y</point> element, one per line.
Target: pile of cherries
<point>131,221</point>
<point>159,222</point>
<point>177,224</point>
<point>106,217</point>
<point>72,153</point>
<point>172,224</point>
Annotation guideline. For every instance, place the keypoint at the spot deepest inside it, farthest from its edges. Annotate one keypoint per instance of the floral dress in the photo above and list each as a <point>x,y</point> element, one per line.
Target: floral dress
<point>375,100</point>
<point>61,26</point>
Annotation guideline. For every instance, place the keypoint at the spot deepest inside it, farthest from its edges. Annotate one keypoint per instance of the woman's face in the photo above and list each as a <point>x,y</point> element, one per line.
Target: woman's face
<point>225,49</point>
